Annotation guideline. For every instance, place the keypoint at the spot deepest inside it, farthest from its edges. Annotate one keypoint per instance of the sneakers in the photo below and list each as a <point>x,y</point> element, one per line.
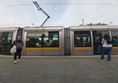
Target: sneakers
<point>108,61</point>
<point>18,60</point>
<point>15,62</point>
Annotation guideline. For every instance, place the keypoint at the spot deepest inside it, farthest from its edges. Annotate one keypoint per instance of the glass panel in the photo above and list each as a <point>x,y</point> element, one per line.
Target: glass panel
<point>5,42</point>
<point>34,39</point>
<point>115,38</point>
<point>1,43</point>
<point>8,42</point>
<point>97,43</point>
<point>51,39</point>
<point>97,38</point>
<point>47,39</point>
<point>82,39</point>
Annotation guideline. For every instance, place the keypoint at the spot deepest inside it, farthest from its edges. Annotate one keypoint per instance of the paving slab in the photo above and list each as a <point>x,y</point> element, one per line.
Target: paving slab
<point>58,70</point>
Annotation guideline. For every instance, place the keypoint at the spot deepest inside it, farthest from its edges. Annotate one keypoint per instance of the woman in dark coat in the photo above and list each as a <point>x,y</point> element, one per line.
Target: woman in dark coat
<point>19,45</point>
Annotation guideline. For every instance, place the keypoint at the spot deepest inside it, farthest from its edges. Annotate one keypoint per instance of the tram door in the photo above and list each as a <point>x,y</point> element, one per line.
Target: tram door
<point>5,42</point>
<point>42,43</point>
<point>97,41</point>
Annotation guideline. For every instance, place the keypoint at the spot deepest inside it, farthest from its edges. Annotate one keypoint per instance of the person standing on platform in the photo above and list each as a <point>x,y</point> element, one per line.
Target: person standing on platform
<point>19,46</point>
<point>106,47</point>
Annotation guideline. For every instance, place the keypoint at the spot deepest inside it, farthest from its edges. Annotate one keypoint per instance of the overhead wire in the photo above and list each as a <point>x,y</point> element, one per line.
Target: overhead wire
<point>59,4</point>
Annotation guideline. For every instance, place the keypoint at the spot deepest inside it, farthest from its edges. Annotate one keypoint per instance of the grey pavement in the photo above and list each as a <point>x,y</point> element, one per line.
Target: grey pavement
<point>58,70</point>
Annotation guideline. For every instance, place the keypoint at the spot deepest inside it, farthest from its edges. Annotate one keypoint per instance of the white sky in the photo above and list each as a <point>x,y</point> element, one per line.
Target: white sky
<point>62,12</point>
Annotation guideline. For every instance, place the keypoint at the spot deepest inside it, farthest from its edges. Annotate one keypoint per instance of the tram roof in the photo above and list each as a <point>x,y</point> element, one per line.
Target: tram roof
<point>94,27</point>
<point>43,28</point>
<point>3,29</point>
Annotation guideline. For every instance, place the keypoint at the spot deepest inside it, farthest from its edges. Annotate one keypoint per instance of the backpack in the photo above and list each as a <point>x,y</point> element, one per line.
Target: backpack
<point>19,45</point>
<point>109,41</point>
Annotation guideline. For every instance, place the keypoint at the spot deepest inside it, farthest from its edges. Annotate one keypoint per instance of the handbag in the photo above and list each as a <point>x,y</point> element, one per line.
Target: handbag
<point>13,49</point>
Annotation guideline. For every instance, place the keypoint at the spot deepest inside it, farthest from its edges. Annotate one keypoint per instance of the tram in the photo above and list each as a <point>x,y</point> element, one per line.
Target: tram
<point>46,41</point>
<point>59,41</point>
<point>7,35</point>
<point>86,40</point>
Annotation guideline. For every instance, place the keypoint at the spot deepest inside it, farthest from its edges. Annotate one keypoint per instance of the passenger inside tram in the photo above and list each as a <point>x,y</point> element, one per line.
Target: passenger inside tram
<point>48,42</point>
<point>115,41</point>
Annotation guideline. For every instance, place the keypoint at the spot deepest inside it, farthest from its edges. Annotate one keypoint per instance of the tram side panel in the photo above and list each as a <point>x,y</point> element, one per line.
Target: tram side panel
<point>61,42</point>
<point>44,42</point>
<point>72,42</point>
<point>80,42</point>
<point>56,45</point>
<point>7,36</point>
<point>32,43</point>
<point>99,33</point>
<point>67,41</point>
<point>114,35</point>
<point>97,40</point>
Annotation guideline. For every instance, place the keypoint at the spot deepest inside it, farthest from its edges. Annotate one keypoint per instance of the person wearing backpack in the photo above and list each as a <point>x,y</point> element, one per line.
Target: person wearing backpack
<point>106,47</point>
<point>19,45</point>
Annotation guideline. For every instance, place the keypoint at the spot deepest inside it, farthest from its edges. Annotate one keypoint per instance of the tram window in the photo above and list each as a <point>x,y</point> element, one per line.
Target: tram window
<point>0,38</point>
<point>33,39</point>
<point>43,39</point>
<point>9,39</point>
<point>52,39</point>
<point>115,38</point>
<point>82,39</point>
<point>1,43</point>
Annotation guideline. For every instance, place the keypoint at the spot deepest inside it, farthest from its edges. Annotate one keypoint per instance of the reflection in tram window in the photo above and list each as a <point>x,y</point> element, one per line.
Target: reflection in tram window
<point>8,43</point>
<point>97,41</point>
<point>33,39</point>
<point>45,39</point>
<point>52,39</point>
<point>5,42</point>
<point>115,38</point>
<point>82,39</point>
<point>1,43</point>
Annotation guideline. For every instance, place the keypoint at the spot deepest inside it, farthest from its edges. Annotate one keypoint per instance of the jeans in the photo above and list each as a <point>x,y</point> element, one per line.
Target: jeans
<point>106,50</point>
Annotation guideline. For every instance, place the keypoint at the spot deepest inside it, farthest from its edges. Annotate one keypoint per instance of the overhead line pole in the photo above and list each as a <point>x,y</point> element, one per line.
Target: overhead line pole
<point>40,9</point>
